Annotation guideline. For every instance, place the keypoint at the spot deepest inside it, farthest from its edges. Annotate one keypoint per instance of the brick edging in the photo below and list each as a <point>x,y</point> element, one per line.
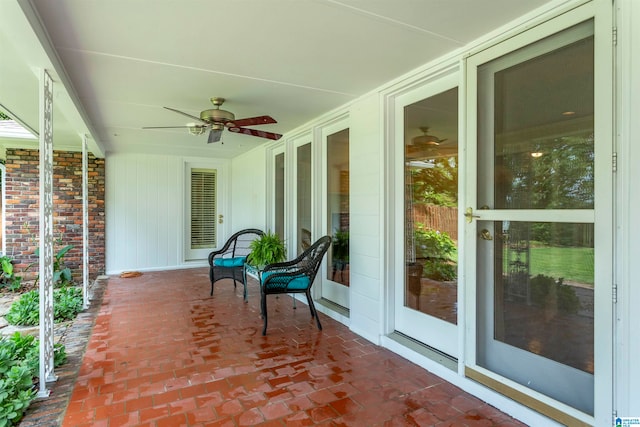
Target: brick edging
<point>50,411</point>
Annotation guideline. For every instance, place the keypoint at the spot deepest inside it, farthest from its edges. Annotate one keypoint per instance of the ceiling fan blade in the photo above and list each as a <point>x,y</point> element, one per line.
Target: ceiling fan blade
<point>185,114</point>
<point>256,132</point>
<point>214,136</point>
<point>252,121</point>
<point>167,127</point>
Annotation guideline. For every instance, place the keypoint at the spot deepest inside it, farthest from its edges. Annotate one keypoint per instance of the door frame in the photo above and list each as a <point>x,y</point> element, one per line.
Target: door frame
<point>602,12</point>
<point>271,202</point>
<point>338,294</point>
<point>446,337</point>
<point>222,205</point>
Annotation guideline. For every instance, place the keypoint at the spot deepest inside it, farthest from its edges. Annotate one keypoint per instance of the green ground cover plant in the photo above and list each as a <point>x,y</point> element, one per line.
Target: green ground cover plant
<point>67,303</point>
<point>19,368</point>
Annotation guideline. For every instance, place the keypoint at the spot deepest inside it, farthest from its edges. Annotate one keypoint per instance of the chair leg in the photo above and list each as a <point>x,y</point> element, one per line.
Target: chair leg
<point>312,307</point>
<point>211,279</point>
<point>244,283</point>
<point>263,307</point>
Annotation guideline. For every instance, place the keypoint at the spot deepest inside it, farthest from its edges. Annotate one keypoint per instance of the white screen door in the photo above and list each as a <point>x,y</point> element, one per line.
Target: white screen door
<point>538,158</point>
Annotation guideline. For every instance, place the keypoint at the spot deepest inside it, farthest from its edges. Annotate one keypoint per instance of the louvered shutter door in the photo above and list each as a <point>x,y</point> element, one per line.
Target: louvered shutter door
<point>203,208</point>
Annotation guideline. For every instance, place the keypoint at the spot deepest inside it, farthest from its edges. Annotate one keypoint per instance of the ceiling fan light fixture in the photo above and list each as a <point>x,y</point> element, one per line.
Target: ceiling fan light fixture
<point>195,129</point>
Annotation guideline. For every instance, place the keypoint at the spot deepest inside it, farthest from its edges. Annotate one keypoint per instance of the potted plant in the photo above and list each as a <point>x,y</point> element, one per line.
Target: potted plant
<point>341,246</point>
<point>267,249</point>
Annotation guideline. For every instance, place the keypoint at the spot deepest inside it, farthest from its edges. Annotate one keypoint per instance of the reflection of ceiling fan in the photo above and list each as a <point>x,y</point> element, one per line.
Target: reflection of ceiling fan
<point>429,146</point>
<point>426,139</point>
<point>216,120</point>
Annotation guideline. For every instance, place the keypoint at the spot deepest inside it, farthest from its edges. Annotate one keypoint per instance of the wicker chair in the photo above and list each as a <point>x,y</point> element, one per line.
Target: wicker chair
<point>228,262</point>
<point>293,277</point>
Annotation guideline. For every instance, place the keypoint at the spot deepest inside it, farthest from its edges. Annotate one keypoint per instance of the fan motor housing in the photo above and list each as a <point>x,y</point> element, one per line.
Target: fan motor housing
<point>216,115</point>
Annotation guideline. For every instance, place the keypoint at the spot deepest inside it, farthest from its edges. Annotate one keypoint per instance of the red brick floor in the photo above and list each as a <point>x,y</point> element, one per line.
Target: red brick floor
<point>165,353</point>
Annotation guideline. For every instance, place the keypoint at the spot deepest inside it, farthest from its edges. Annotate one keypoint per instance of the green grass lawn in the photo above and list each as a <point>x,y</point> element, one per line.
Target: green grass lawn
<point>572,264</point>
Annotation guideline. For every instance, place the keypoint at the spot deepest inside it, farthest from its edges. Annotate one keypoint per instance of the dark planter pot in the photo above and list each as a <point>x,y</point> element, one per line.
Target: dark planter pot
<point>414,276</point>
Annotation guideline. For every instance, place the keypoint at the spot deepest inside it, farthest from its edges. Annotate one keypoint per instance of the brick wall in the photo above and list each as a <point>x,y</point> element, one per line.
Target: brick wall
<point>22,210</point>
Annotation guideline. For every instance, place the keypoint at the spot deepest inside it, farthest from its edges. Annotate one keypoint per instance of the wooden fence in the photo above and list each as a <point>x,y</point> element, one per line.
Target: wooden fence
<point>441,218</point>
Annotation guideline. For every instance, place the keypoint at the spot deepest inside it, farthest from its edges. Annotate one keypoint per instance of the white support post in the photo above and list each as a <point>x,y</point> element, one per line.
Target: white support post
<point>85,224</point>
<point>46,233</point>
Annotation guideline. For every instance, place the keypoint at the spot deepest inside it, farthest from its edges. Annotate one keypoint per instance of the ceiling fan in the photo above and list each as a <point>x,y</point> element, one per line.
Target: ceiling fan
<point>431,146</point>
<point>216,120</point>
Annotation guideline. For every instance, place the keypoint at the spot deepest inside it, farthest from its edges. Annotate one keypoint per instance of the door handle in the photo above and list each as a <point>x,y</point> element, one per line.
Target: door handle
<point>469,215</point>
<point>485,235</point>
<point>220,219</point>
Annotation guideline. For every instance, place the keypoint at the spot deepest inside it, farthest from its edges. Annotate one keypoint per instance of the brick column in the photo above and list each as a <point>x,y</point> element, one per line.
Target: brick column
<point>21,211</point>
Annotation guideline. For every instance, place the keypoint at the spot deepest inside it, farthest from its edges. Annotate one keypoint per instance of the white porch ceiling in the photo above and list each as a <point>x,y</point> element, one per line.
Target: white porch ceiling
<point>291,59</point>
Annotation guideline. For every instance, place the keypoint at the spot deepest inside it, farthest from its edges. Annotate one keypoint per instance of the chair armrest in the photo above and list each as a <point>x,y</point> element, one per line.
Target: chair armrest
<point>284,266</point>
<point>231,244</point>
<point>219,253</point>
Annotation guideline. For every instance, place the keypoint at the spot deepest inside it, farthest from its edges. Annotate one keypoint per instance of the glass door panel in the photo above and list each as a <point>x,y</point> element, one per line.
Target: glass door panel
<point>426,292</point>
<point>279,194</point>
<point>338,206</point>
<point>303,198</point>
<point>544,290</point>
<point>535,228</point>
<point>335,284</point>
<point>431,203</point>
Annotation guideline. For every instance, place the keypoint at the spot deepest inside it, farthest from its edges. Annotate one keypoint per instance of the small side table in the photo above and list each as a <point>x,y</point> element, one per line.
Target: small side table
<point>254,272</point>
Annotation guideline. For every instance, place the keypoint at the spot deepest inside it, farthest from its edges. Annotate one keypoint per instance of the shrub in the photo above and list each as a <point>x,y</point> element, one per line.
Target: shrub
<point>542,288</point>
<point>67,303</point>
<point>437,250</point>
<point>19,365</point>
<point>440,270</point>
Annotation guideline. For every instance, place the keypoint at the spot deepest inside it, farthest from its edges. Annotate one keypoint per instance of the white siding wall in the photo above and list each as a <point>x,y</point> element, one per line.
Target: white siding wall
<point>144,212</point>
<point>248,191</point>
<point>365,178</point>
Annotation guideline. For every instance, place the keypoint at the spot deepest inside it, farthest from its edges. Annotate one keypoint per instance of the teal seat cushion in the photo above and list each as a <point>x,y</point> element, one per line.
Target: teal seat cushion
<point>300,282</point>
<point>229,262</point>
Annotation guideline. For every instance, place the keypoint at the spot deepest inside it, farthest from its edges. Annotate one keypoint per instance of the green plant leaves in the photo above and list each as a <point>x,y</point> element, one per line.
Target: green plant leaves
<point>67,303</point>
<point>25,311</point>
<point>7,276</point>
<point>267,249</point>
<point>436,250</point>
<point>61,274</point>
<point>19,365</point>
